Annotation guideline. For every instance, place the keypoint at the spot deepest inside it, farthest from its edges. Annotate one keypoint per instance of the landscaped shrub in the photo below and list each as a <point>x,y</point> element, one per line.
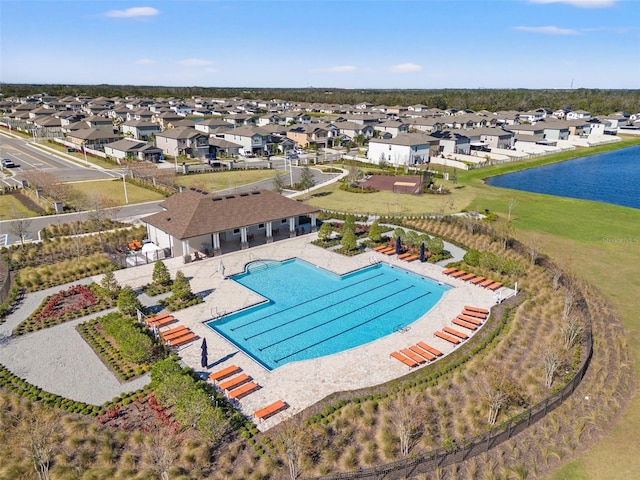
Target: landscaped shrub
<point>160,280</point>
<point>135,345</point>
<point>128,303</point>
<point>181,294</point>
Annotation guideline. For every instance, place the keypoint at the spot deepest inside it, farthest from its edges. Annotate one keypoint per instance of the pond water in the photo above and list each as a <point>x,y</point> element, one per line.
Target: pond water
<point>612,177</point>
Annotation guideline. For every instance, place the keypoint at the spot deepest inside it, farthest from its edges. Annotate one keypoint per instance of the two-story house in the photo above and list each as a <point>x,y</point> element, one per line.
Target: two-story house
<point>310,134</point>
<point>140,129</point>
<point>404,149</point>
<point>183,141</point>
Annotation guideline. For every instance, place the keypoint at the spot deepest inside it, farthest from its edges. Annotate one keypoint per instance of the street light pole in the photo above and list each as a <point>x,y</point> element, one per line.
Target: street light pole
<point>291,172</point>
<point>124,185</point>
<point>86,162</point>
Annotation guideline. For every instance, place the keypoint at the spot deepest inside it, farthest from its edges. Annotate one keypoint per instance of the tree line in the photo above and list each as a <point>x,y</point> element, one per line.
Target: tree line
<point>596,101</point>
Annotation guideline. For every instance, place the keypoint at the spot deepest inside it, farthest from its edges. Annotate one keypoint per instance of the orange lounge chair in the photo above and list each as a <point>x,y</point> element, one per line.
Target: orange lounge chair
<point>447,337</point>
<point>404,255</point>
<point>380,247</point>
<point>430,349</point>
<point>422,352</point>
<point>455,333</point>
<point>476,309</point>
<point>471,313</point>
<point>157,317</point>
<point>411,258</point>
<point>175,332</point>
<point>176,342</point>
<point>235,382</point>
<point>458,274</point>
<point>416,358</point>
<point>245,389</point>
<point>476,281</point>
<point>162,322</point>
<point>495,286</point>
<point>467,277</point>
<point>407,361</point>
<point>462,323</point>
<point>224,373</point>
<point>449,271</point>
<point>486,283</point>
<point>270,410</point>
<point>473,320</point>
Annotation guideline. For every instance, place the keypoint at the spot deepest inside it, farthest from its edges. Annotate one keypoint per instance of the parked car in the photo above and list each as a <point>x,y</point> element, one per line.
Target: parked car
<point>291,156</point>
<point>8,163</point>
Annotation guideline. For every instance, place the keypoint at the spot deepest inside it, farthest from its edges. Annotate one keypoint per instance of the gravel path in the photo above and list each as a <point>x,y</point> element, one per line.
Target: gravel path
<point>57,359</point>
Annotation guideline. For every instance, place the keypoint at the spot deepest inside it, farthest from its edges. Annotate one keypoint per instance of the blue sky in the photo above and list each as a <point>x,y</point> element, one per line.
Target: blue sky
<point>339,44</point>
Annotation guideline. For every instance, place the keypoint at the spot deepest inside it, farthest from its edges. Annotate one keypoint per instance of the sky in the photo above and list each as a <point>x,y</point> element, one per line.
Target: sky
<point>365,44</point>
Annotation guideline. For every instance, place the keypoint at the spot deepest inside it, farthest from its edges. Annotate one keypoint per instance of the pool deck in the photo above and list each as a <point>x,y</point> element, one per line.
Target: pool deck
<point>299,384</point>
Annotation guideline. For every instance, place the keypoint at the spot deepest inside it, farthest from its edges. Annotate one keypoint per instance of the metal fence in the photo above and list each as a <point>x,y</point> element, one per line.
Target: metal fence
<point>5,282</point>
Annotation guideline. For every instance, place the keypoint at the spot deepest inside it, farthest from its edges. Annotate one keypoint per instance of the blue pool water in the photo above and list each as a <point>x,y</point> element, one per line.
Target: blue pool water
<point>310,312</point>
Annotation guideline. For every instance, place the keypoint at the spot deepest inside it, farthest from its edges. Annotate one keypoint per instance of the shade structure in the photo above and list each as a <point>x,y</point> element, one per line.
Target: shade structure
<point>204,361</point>
<point>422,252</point>
<point>398,245</point>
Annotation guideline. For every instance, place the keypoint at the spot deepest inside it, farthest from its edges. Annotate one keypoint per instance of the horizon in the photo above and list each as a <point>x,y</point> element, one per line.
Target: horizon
<point>348,45</point>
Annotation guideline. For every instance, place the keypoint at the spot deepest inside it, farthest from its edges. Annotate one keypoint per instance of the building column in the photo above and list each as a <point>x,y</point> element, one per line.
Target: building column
<point>185,248</point>
<point>216,243</point>
<point>292,227</point>
<point>313,222</point>
<point>244,244</point>
<point>269,232</point>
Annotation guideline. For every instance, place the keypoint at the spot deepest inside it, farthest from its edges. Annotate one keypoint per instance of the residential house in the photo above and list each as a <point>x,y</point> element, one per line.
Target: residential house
<point>183,141</point>
<point>453,142</point>
<point>197,221</point>
<point>140,129</point>
<point>404,149</point>
<point>310,134</point>
<point>140,114</point>
<point>578,115</point>
<point>426,124</point>
<point>487,138</point>
<point>555,130</point>
<point>255,139</point>
<point>211,125</point>
<point>351,130</point>
<point>536,130</point>
<point>132,149</point>
<point>93,138</point>
<point>103,123</point>
<point>393,127</point>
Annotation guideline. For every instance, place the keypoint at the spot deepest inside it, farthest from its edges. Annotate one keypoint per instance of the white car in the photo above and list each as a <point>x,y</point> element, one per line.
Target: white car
<point>8,163</point>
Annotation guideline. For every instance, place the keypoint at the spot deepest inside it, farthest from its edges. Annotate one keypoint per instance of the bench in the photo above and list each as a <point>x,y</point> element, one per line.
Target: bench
<point>448,338</point>
<point>224,373</point>
<point>245,389</point>
<point>270,410</point>
<point>476,309</point>
<point>407,361</point>
<point>422,352</point>
<point>462,323</point>
<point>234,382</point>
<point>468,319</point>
<point>456,333</point>
<point>430,349</point>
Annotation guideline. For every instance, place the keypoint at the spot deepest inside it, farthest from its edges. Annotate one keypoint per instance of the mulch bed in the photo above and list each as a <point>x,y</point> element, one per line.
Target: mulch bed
<point>386,182</point>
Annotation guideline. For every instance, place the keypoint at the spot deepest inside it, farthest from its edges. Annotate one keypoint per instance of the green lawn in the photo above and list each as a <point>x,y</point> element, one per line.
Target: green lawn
<point>114,190</point>
<point>10,208</point>
<point>214,181</point>
<point>600,242</point>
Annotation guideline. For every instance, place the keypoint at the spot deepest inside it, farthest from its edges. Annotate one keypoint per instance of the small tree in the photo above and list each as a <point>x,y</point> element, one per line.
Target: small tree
<point>552,360</point>
<point>110,285</point>
<point>349,241</point>
<point>160,276</point>
<point>20,228</point>
<point>278,183</point>
<point>435,245</point>
<point>375,235</point>
<point>571,331</point>
<point>406,418</point>
<point>324,231</point>
<point>128,302</point>
<point>307,180</point>
<point>181,288</point>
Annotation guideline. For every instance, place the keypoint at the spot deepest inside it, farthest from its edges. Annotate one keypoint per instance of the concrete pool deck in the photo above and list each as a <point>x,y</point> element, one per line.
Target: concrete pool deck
<point>299,384</point>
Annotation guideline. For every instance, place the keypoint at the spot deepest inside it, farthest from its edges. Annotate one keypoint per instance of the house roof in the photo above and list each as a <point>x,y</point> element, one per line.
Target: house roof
<point>129,145</point>
<point>195,212</point>
<point>92,134</point>
<point>407,139</point>
<point>180,133</point>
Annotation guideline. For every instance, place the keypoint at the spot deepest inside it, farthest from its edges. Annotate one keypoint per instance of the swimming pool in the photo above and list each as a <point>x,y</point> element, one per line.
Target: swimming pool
<point>309,312</point>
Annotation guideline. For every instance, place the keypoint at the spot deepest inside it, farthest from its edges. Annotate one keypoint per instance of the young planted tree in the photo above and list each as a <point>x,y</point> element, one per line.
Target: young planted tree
<point>160,275</point>
<point>571,331</point>
<point>181,288</point>
<point>551,360</point>
<point>375,234</point>
<point>278,183</point>
<point>293,442</point>
<point>349,241</point>
<point>406,417</point>
<point>110,285</point>
<point>40,441</point>
<point>324,231</point>
<point>435,245</point>
<point>163,448</point>
<point>20,228</point>
<point>307,180</point>
<point>128,302</point>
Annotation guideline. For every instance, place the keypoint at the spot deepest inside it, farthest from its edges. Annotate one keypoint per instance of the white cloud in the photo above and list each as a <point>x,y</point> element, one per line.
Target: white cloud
<point>145,61</point>
<point>342,68</point>
<point>133,12</point>
<point>195,62</point>
<point>550,30</point>
<point>405,67</point>
<point>581,3</point>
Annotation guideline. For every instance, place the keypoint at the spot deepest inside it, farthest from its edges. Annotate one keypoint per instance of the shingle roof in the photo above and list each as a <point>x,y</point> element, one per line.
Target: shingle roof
<point>195,212</point>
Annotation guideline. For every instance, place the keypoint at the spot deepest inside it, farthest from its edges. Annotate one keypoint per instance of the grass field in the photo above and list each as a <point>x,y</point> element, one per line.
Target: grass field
<point>599,242</point>
<point>114,190</point>
<point>10,208</point>
<point>214,181</point>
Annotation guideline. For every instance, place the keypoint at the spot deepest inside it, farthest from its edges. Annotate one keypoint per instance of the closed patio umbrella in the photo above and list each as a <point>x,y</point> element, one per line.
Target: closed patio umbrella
<point>422,252</point>
<point>204,361</point>
<point>398,245</point>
